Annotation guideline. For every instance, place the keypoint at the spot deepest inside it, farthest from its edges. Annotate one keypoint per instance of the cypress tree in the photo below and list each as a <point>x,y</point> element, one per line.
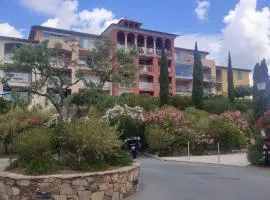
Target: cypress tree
<point>164,79</point>
<point>197,91</point>
<point>231,91</point>
<point>256,77</point>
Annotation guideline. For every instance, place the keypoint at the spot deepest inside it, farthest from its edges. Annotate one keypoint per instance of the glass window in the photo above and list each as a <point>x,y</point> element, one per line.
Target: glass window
<point>179,56</point>
<point>239,75</point>
<point>87,43</point>
<point>20,77</point>
<point>185,70</point>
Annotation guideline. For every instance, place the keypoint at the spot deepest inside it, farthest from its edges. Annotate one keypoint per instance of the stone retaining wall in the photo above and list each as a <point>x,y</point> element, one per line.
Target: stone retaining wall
<point>109,185</point>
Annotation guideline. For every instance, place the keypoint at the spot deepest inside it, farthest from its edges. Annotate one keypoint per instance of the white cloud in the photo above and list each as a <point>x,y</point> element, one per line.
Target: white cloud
<point>210,43</point>
<point>202,10</point>
<point>246,34</point>
<point>10,31</point>
<point>64,14</point>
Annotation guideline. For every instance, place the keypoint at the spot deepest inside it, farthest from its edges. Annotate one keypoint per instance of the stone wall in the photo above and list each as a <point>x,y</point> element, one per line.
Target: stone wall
<point>109,185</point>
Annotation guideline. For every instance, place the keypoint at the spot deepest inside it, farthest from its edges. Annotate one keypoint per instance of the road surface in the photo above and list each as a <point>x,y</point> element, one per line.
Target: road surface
<point>195,181</point>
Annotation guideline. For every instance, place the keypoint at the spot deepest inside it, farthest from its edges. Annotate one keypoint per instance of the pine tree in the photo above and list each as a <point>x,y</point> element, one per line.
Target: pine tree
<point>231,91</point>
<point>164,79</point>
<point>197,92</point>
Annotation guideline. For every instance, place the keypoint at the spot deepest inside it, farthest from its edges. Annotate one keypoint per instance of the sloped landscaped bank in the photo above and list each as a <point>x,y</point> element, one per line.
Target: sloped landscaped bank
<point>108,185</point>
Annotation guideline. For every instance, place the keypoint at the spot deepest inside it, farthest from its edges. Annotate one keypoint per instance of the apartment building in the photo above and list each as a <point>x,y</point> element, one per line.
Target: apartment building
<point>21,77</point>
<point>77,46</point>
<point>240,77</point>
<point>184,61</point>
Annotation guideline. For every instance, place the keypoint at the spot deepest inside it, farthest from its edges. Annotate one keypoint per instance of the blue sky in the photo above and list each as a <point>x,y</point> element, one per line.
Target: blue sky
<point>215,26</point>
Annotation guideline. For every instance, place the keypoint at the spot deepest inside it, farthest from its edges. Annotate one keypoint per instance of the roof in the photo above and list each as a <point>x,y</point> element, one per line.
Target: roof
<point>63,31</point>
<point>17,39</point>
<point>129,20</point>
<point>234,68</point>
<point>190,50</point>
<point>137,30</point>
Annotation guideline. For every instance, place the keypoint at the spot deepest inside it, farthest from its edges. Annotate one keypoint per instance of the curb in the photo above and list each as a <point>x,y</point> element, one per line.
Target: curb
<point>220,164</point>
<point>154,156</point>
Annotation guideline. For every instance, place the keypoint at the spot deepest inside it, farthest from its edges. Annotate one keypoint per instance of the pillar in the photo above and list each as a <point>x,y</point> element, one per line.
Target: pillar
<point>145,44</point>
<point>154,40</point>
<point>126,43</point>
<point>155,76</point>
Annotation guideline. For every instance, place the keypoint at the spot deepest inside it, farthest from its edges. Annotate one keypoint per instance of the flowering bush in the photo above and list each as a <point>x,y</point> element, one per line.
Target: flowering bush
<point>234,117</point>
<point>125,110</point>
<point>168,118</point>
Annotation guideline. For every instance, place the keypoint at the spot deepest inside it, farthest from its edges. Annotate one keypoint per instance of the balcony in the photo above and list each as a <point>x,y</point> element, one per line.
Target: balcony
<point>150,51</point>
<point>183,90</point>
<point>146,86</point>
<point>146,68</point>
<point>8,57</point>
<point>120,46</point>
<point>83,64</point>
<point>140,50</point>
<point>159,52</point>
<point>218,79</point>
<point>207,77</point>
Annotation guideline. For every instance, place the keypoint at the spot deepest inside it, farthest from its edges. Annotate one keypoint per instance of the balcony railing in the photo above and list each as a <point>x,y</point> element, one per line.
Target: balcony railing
<point>8,56</point>
<point>83,64</point>
<point>120,46</point>
<point>140,49</point>
<point>158,52</point>
<point>150,51</point>
<point>146,86</point>
<point>207,77</point>
<point>184,74</point>
<point>146,68</point>
<point>183,90</point>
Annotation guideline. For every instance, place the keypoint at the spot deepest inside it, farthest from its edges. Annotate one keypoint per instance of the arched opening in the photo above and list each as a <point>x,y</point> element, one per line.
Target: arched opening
<point>168,47</point>
<point>131,39</point>
<point>159,46</point>
<point>150,45</point>
<point>140,43</point>
<point>120,39</point>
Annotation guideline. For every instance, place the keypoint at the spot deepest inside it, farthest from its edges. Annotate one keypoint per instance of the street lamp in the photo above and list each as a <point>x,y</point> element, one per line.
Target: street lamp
<point>1,89</point>
<point>261,85</point>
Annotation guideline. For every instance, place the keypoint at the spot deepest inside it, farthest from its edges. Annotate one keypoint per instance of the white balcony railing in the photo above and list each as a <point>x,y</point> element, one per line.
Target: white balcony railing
<point>120,46</point>
<point>8,56</point>
<point>183,90</point>
<point>146,68</point>
<point>145,86</point>
<point>207,77</point>
<point>140,49</point>
<point>150,51</point>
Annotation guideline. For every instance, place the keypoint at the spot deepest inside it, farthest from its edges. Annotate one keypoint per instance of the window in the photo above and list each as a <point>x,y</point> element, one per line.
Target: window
<point>179,56</point>
<point>184,70</point>
<point>87,43</point>
<point>239,75</point>
<point>20,77</point>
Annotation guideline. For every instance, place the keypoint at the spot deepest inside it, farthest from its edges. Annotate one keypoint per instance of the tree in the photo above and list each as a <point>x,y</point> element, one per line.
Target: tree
<point>230,81</point>
<point>109,65</point>
<point>164,80</point>
<point>261,98</point>
<point>5,106</point>
<point>197,92</point>
<point>48,64</point>
<point>242,91</point>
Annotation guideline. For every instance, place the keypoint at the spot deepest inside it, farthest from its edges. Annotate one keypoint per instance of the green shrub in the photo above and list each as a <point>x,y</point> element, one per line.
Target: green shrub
<point>118,158</point>
<point>147,102</point>
<point>84,144</point>
<point>158,139</point>
<point>216,105</point>
<point>128,127</point>
<point>5,106</point>
<point>180,102</point>
<point>254,154</point>
<point>228,135</point>
<point>106,102</point>
<point>41,165</point>
<point>33,148</point>
<point>243,105</point>
<point>33,143</point>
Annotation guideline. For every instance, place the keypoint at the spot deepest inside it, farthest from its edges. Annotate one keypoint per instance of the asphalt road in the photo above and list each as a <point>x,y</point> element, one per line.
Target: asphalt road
<point>194,181</point>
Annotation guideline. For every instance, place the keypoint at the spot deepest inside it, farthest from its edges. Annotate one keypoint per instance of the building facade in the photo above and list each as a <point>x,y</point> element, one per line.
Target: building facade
<point>240,77</point>
<point>125,33</point>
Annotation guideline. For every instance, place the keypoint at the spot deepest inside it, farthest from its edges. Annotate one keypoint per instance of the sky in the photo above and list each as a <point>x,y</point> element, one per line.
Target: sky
<point>219,26</point>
